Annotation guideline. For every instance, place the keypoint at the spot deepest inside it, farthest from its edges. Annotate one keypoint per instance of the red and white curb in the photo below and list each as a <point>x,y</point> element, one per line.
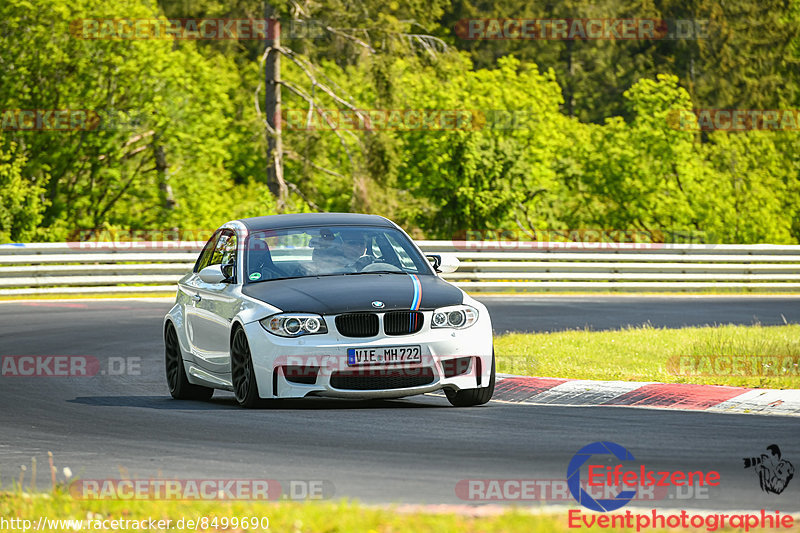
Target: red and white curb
<point>680,396</point>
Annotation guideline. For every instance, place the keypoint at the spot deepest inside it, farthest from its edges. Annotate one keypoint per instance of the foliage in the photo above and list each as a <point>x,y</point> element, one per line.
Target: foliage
<point>560,134</point>
<point>20,204</point>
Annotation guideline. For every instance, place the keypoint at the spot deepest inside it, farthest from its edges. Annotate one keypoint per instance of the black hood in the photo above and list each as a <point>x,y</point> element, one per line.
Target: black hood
<point>329,295</point>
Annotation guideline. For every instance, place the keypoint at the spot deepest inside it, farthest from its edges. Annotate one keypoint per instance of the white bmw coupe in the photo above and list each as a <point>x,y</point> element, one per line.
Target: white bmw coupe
<point>326,304</point>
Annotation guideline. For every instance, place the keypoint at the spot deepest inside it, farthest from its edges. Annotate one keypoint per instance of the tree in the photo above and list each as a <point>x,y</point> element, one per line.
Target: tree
<point>741,59</point>
<point>21,205</point>
<point>162,111</point>
<point>320,40</point>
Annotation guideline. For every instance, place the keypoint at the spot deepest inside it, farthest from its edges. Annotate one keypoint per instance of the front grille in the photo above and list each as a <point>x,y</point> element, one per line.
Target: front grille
<point>456,367</point>
<point>302,375</point>
<point>403,322</point>
<point>357,324</point>
<point>367,379</point>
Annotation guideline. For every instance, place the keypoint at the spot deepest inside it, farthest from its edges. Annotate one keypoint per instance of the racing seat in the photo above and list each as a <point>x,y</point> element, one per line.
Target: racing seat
<point>261,261</point>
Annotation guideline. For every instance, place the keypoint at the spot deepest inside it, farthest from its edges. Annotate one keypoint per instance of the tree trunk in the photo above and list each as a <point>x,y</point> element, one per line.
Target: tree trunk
<point>166,196</point>
<point>272,104</point>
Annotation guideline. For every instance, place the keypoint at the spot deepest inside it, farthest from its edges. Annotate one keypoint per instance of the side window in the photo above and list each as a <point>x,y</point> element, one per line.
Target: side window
<point>205,255</point>
<point>225,251</point>
<point>229,254</point>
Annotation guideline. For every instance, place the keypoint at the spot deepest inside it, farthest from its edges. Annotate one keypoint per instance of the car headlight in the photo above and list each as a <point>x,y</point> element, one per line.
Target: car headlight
<point>457,316</point>
<point>294,324</point>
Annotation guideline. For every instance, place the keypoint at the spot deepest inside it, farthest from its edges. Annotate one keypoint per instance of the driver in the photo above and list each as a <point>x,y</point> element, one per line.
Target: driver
<point>354,250</point>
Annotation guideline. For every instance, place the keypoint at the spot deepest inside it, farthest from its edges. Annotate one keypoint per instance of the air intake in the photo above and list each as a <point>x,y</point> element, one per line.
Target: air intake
<point>357,324</point>
<point>365,379</point>
<point>403,322</point>
<point>456,367</point>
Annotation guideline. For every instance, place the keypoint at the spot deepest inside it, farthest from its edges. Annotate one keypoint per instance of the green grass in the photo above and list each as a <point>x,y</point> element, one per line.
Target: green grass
<point>644,354</point>
<point>294,517</point>
<point>291,517</point>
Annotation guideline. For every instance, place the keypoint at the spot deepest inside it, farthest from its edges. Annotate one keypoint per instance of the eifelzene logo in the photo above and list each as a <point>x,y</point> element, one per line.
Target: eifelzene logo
<point>618,476</point>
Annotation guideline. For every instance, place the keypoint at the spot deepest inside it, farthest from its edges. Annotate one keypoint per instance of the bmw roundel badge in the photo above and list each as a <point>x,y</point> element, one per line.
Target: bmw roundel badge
<point>378,304</point>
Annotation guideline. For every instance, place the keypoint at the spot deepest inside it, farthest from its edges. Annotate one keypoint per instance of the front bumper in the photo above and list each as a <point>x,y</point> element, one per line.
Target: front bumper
<point>279,362</point>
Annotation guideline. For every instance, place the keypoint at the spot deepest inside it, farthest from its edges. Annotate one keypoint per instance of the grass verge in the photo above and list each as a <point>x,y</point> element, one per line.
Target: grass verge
<point>766,357</point>
<point>292,517</point>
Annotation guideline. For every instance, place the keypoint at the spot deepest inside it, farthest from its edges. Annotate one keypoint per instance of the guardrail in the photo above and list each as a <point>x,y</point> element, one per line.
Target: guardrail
<point>139,267</point>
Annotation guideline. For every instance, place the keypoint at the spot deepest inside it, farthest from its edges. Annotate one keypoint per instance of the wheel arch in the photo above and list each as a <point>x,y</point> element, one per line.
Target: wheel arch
<point>175,317</point>
<point>236,324</point>
<point>168,322</point>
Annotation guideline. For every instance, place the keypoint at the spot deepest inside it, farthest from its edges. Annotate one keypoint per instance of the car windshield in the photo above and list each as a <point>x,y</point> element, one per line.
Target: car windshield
<point>329,251</point>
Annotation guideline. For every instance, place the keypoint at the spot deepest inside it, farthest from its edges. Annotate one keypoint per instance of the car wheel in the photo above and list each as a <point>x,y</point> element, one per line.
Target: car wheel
<point>243,376</point>
<point>179,386</point>
<point>470,397</point>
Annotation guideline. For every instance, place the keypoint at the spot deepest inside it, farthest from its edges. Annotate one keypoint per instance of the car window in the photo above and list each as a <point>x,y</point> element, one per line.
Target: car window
<point>225,249</point>
<point>205,255</point>
<point>327,251</point>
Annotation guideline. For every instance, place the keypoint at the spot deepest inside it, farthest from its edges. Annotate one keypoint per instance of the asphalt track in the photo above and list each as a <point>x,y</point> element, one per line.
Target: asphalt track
<point>404,451</point>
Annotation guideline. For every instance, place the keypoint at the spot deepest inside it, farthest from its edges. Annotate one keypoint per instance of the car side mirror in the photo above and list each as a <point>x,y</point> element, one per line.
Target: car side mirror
<point>435,261</point>
<point>443,263</point>
<point>213,274</point>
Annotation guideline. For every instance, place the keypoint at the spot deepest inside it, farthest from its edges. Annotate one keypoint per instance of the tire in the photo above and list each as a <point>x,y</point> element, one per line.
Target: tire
<point>243,375</point>
<point>178,383</point>
<point>471,397</point>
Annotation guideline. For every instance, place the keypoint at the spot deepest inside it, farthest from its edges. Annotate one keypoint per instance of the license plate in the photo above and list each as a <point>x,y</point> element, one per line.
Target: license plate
<point>384,355</point>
